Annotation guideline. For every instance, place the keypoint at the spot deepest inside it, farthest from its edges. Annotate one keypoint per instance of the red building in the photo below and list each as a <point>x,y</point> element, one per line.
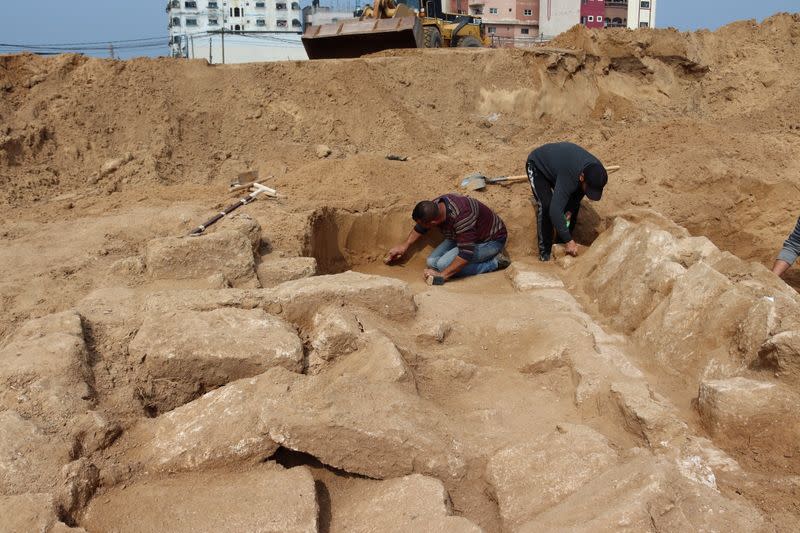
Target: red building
<point>592,13</point>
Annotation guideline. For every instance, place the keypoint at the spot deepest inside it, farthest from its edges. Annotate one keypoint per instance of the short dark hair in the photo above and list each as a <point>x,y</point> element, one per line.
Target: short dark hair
<point>425,211</point>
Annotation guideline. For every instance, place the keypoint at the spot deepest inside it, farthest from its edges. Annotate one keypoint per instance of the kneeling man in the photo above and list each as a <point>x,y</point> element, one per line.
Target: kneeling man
<point>474,237</point>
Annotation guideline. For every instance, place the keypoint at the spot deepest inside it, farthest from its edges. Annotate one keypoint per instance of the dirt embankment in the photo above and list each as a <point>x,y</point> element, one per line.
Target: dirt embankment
<point>704,124</point>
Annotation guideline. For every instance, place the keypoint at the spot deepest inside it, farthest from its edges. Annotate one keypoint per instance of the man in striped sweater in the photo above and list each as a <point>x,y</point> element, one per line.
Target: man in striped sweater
<point>474,236</point>
<point>789,252</point>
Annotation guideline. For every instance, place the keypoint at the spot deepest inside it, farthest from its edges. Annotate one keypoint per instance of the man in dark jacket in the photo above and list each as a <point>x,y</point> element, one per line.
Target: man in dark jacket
<point>789,252</point>
<point>561,174</point>
<point>474,237</point>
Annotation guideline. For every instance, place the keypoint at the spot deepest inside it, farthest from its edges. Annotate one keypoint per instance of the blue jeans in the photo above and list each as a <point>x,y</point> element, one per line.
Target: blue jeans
<point>483,260</point>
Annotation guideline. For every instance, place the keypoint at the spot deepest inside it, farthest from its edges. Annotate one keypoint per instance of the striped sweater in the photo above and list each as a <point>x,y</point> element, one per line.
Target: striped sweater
<point>468,222</point>
<point>791,248</point>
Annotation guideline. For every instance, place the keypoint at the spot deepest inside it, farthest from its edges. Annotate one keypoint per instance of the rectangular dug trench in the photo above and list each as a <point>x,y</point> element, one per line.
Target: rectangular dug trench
<point>341,240</point>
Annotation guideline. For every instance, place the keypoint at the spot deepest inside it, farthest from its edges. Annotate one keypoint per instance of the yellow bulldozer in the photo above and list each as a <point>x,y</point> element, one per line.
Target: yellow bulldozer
<point>388,24</point>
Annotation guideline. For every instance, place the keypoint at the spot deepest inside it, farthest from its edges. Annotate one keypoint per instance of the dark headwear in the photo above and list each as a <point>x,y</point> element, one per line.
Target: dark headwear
<point>596,178</point>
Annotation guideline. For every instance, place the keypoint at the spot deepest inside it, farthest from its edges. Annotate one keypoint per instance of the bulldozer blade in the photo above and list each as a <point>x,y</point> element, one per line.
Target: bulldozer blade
<point>355,38</point>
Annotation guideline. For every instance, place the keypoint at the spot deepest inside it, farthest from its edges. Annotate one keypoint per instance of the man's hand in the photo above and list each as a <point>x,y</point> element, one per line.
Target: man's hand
<point>780,267</point>
<point>396,253</point>
<point>571,248</point>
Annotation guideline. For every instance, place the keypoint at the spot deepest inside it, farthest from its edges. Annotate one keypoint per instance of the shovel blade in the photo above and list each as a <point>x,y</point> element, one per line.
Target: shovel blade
<point>474,182</point>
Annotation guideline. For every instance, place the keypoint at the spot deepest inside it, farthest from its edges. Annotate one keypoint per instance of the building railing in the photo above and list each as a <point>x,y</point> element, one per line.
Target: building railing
<point>616,3</point>
<point>519,42</point>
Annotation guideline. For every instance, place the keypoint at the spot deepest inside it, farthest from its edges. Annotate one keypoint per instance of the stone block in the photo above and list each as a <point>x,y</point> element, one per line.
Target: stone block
<point>273,272</point>
<point>334,333</point>
<point>187,353</point>
<point>388,297</point>
<point>375,429</point>
<point>752,414</point>
<point>219,428</point>
<point>410,503</point>
<point>648,415</point>
<point>531,477</point>
<point>244,224</point>
<point>525,278</point>
<point>647,494</point>
<point>228,252</point>
<point>44,370</point>
<point>377,360</point>
<point>266,498</point>
<point>30,460</point>
<point>781,353</point>
<point>27,513</point>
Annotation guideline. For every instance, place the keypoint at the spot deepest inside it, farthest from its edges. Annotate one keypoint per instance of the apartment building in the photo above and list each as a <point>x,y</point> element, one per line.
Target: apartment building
<point>557,16</point>
<point>508,22</point>
<point>193,24</point>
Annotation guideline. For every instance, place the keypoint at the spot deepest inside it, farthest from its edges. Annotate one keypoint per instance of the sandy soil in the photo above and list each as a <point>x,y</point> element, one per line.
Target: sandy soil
<point>99,157</point>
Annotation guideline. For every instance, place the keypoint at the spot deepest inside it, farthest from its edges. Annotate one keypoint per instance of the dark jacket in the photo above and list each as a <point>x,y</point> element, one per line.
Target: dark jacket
<point>561,164</point>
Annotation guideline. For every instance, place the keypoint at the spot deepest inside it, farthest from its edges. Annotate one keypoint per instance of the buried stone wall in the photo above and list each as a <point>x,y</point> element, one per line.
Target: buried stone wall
<point>728,327</point>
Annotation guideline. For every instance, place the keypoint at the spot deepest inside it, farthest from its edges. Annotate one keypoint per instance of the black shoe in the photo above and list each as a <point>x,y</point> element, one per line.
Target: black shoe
<point>502,261</point>
<point>544,257</point>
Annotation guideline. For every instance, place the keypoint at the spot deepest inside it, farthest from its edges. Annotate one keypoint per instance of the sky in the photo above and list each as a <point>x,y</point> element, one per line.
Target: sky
<point>99,21</point>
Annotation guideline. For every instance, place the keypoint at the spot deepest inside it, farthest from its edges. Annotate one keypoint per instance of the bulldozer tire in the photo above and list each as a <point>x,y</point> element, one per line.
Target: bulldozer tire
<point>470,42</point>
<point>433,39</point>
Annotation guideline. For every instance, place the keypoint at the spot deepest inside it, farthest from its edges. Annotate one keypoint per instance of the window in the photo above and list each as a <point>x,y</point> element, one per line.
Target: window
<point>176,21</point>
<point>282,24</point>
<point>645,5</point>
<point>191,22</point>
<point>236,12</point>
<point>643,25</point>
<point>524,31</point>
<point>296,23</point>
<point>190,5</point>
<point>583,20</point>
<point>527,12</point>
<point>261,4</point>
<point>237,27</point>
<point>493,10</point>
<point>295,6</point>
<point>212,5</point>
<point>280,7</point>
<point>213,22</point>
<point>591,18</point>
<point>261,22</point>
<point>176,39</point>
<point>492,30</point>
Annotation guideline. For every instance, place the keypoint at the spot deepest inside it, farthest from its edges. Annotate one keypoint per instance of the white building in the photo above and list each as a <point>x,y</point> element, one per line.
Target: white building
<point>316,15</point>
<point>641,14</point>
<point>557,16</point>
<point>251,30</point>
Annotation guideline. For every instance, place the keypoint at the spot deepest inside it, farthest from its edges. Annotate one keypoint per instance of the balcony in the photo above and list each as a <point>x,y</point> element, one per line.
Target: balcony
<point>173,5</point>
<point>616,3</point>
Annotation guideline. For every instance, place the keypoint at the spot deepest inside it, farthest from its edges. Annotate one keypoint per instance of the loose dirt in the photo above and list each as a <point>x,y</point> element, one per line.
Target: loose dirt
<point>98,158</point>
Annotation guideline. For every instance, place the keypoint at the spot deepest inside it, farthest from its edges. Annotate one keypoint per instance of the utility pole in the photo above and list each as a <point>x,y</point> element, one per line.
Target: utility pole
<point>191,40</point>
<point>210,46</point>
<point>223,45</point>
<point>111,50</point>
